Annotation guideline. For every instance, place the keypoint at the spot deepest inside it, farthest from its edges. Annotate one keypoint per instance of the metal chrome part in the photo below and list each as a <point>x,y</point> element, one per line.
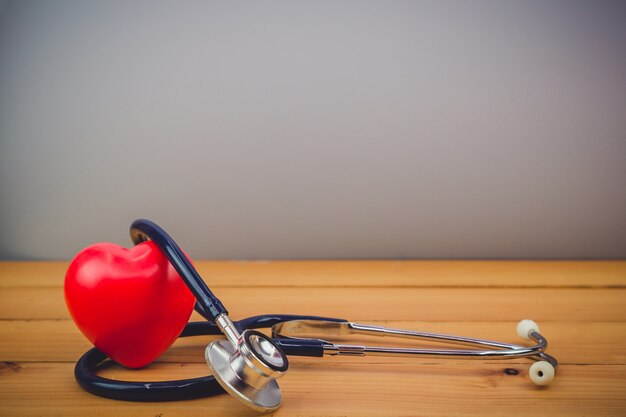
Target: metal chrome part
<point>497,350</point>
<point>219,356</point>
<point>247,365</point>
<point>227,327</point>
<point>267,350</point>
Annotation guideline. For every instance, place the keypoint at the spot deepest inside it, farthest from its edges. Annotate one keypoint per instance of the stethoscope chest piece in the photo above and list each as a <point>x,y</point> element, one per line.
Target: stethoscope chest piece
<point>249,370</point>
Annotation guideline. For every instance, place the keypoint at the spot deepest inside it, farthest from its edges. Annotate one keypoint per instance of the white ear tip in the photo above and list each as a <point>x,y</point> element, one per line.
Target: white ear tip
<point>541,373</point>
<point>526,327</point>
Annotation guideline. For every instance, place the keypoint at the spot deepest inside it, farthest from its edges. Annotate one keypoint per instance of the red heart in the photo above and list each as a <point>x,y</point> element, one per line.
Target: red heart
<point>130,303</point>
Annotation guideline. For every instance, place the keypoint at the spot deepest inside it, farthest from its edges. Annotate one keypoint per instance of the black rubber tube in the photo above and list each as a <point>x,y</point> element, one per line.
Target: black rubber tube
<point>143,229</point>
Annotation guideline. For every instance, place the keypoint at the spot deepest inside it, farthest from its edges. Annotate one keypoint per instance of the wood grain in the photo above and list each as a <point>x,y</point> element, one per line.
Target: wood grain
<point>367,304</point>
<point>339,387</point>
<point>543,274</point>
<point>581,307</point>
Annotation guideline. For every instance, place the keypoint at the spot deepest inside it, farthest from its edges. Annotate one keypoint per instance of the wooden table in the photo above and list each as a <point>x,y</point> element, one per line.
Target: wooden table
<point>580,306</point>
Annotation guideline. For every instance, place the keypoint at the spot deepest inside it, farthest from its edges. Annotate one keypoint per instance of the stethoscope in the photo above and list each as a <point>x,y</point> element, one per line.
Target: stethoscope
<point>247,363</point>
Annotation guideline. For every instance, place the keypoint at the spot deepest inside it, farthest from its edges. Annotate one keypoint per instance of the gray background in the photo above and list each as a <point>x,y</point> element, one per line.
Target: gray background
<point>349,129</point>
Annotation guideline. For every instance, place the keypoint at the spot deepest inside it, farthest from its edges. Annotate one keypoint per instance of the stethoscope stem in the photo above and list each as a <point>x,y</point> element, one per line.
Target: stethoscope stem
<point>228,328</point>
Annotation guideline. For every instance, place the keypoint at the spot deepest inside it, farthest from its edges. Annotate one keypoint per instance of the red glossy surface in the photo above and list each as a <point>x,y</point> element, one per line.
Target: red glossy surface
<point>130,303</point>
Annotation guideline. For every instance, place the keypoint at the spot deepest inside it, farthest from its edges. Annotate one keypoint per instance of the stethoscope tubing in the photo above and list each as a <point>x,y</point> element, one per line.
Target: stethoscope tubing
<point>142,229</point>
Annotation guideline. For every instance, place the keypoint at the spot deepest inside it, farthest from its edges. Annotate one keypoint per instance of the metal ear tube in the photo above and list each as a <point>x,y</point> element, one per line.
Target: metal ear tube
<point>541,372</point>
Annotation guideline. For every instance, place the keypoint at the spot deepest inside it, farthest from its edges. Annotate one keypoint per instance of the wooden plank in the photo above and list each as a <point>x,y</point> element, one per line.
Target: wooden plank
<point>32,274</point>
<point>367,304</point>
<point>587,274</point>
<point>331,389</point>
<point>579,305</point>
<point>571,343</point>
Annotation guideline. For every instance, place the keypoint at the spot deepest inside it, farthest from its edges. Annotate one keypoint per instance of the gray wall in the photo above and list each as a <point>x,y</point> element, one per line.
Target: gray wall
<point>349,129</point>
